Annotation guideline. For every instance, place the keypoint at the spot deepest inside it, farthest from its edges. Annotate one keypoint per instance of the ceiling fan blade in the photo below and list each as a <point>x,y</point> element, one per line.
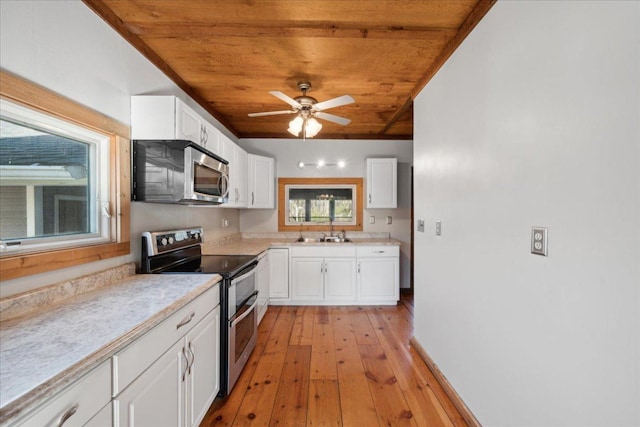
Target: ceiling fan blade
<point>332,103</point>
<point>286,98</point>
<point>271,113</point>
<point>332,118</point>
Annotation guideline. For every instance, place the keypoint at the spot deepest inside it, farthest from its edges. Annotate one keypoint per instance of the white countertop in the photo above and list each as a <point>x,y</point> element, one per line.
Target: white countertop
<point>43,351</point>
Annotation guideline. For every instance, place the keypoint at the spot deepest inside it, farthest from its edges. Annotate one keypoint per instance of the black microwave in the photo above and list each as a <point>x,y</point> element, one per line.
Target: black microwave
<point>177,171</point>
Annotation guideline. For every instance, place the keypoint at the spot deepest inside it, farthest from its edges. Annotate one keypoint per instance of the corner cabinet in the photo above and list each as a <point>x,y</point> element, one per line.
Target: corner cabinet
<point>261,186</point>
<point>168,117</point>
<point>382,183</point>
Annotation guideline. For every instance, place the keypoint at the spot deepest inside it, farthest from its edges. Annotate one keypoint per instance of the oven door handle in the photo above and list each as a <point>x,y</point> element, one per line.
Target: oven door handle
<point>244,276</point>
<point>239,316</point>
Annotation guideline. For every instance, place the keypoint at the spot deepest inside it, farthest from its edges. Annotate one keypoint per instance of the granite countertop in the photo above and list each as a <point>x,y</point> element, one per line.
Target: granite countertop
<point>254,246</point>
<point>43,351</point>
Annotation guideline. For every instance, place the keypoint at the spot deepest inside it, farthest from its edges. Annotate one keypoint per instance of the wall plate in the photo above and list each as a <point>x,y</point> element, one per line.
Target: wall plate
<point>539,241</point>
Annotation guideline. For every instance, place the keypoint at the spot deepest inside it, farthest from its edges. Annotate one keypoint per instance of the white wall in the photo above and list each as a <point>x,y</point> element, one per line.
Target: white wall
<point>64,46</point>
<point>534,121</point>
<point>288,152</point>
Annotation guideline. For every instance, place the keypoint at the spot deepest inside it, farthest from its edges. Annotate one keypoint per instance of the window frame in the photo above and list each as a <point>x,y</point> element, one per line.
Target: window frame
<point>26,94</point>
<point>284,183</point>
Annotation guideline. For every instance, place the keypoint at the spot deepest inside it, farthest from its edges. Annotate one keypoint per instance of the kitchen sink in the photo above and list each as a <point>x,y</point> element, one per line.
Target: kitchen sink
<point>322,240</point>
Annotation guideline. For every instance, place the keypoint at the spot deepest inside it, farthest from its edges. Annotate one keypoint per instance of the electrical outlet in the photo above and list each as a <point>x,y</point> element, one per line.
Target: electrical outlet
<point>225,222</point>
<point>421,225</point>
<point>438,228</point>
<point>389,220</point>
<point>539,241</point>
<point>372,219</point>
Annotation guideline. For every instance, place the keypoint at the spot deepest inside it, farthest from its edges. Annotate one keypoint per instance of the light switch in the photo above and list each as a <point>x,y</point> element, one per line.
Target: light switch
<point>438,228</point>
<point>539,241</point>
<point>421,225</point>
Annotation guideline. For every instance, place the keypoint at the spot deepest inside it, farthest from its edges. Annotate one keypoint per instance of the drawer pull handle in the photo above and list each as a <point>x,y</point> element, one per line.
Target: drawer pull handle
<point>70,413</point>
<point>186,320</point>
<point>378,252</point>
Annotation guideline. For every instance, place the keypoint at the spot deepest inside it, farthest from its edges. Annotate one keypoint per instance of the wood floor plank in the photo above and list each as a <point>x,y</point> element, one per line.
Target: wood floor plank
<point>260,396</point>
<point>322,328</point>
<point>302,332</point>
<point>343,333</point>
<point>324,404</point>
<point>323,363</point>
<point>356,402</point>
<point>390,404</point>
<point>365,335</point>
<point>424,405</point>
<point>290,408</point>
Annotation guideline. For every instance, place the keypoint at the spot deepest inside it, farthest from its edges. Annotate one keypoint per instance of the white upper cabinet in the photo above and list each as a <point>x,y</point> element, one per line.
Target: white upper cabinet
<point>382,183</point>
<point>261,188</point>
<point>238,170</point>
<point>167,117</point>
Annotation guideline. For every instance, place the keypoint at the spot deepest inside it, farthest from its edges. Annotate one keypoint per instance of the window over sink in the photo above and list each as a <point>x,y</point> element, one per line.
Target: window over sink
<point>317,204</point>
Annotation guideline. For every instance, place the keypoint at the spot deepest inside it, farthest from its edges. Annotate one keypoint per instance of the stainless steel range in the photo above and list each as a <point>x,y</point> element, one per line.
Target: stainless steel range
<point>179,251</point>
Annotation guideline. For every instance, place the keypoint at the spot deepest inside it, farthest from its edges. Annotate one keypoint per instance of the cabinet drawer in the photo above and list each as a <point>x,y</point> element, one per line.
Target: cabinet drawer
<point>324,251</point>
<point>137,357</point>
<point>378,251</point>
<point>87,396</point>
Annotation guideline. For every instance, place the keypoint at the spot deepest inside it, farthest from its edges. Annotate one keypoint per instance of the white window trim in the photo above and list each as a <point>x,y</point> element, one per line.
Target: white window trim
<point>100,181</point>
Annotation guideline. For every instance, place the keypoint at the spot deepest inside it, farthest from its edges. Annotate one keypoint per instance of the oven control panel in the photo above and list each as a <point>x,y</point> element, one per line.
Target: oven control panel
<point>166,241</point>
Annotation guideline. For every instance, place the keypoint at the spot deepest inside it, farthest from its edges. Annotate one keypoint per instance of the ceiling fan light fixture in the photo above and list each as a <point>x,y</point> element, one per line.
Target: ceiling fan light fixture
<point>312,127</point>
<point>295,126</point>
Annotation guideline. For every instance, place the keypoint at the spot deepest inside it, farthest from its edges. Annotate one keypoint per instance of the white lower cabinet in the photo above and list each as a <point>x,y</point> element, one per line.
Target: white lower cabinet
<point>278,274</point>
<point>263,278</point>
<point>157,396</point>
<point>378,273</point>
<point>180,386</point>
<point>323,274</point>
<point>78,404</point>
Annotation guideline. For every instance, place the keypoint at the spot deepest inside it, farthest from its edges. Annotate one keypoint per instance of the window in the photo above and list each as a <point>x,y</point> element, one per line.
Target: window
<point>64,182</point>
<point>54,181</point>
<point>316,204</point>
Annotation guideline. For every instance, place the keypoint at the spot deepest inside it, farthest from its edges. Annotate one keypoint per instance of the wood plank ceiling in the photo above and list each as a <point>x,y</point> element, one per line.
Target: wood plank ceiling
<point>228,55</point>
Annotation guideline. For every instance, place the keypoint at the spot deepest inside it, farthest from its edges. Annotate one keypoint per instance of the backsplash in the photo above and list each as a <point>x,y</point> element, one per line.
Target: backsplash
<point>25,302</point>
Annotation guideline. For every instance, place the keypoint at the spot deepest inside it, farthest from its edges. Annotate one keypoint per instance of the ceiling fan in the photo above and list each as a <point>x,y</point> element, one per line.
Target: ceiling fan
<point>308,109</point>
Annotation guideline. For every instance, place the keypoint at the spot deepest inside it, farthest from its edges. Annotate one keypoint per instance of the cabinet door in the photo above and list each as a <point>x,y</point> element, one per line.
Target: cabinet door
<point>103,418</point>
<point>279,273</point>
<point>156,398</point>
<point>378,279</point>
<point>262,279</point>
<point>153,117</point>
<point>307,277</point>
<point>340,279</point>
<point>382,183</point>
<point>241,179</point>
<point>203,342</point>
<point>261,182</point>
<point>211,139</point>
<point>188,123</point>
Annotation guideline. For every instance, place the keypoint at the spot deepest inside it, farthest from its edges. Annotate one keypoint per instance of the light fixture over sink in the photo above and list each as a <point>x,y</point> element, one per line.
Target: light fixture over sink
<point>307,110</point>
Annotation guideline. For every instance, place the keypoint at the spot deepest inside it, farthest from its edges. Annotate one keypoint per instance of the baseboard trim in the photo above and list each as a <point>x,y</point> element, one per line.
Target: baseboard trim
<point>464,410</point>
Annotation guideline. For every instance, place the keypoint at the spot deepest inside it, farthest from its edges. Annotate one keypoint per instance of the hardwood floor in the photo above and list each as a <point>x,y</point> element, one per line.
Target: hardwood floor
<point>336,366</point>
